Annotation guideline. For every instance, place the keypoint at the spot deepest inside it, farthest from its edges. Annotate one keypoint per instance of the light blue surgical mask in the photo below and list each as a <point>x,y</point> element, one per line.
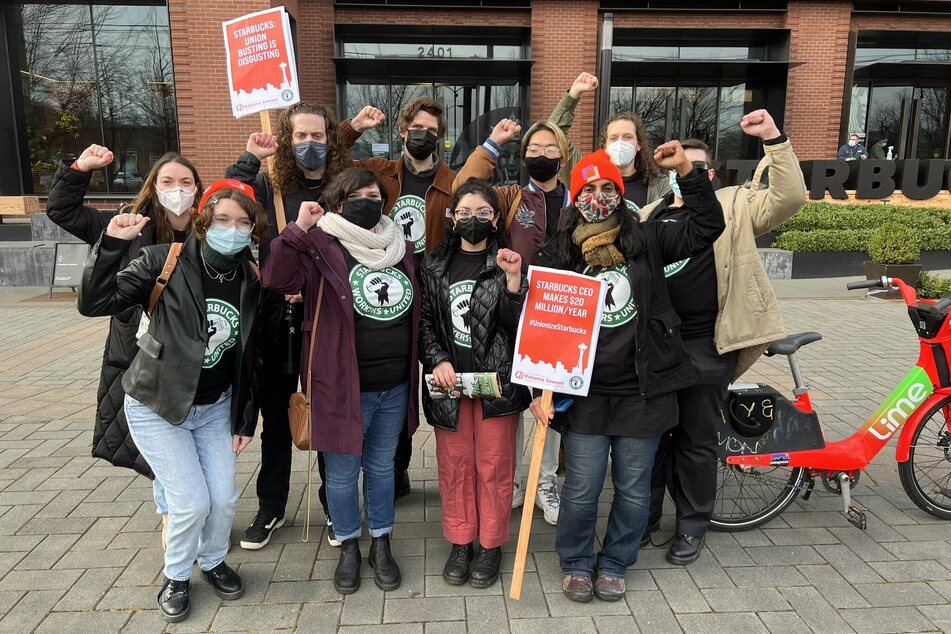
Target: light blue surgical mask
<point>853,142</point>
<point>227,240</point>
<point>674,185</point>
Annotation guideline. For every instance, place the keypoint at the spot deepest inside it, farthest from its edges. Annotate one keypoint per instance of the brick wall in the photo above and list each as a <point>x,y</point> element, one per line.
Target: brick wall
<point>819,41</point>
<point>564,43</point>
<point>683,20</point>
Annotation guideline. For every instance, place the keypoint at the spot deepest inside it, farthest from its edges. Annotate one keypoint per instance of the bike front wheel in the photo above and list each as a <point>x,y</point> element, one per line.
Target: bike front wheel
<point>926,475</point>
<point>748,497</point>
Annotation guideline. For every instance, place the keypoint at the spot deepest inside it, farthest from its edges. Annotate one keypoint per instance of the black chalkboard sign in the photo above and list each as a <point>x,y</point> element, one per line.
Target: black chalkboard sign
<point>68,261</point>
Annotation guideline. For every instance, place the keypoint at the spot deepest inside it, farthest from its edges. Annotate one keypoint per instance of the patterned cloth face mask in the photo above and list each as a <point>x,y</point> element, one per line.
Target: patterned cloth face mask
<point>596,207</point>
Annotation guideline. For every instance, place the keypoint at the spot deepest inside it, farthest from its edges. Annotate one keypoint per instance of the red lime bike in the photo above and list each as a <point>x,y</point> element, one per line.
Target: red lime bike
<point>771,448</point>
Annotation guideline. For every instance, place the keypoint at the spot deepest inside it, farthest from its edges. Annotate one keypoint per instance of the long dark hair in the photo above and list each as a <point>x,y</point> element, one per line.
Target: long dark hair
<point>451,240</point>
<point>566,255</point>
<point>286,173</point>
<point>148,200</point>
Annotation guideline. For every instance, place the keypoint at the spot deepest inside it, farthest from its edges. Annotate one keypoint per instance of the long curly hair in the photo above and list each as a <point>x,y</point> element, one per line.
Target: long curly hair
<point>287,175</point>
<point>566,255</point>
<point>451,240</point>
<point>644,159</point>
<point>147,200</point>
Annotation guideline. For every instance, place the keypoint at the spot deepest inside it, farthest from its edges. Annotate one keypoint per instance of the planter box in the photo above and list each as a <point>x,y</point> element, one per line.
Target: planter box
<point>908,273</point>
<point>852,263</point>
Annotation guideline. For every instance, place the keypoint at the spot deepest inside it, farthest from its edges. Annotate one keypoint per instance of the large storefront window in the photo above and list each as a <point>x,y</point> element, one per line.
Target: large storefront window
<point>900,96</point>
<point>93,73</point>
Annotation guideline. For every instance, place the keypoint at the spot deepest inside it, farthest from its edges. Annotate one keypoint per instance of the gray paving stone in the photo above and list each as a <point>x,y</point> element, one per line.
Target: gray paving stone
<point>365,607</point>
<point>887,620</point>
<point>390,628</point>
<point>30,610</point>
<point>58,622</point>
<point>895,571</point>
<point>899,594</point>
<point>560,605</point>
<point>765,576</point>
<point>784,623</point>
<point>257,617</point>
<point>145,622</point>
<point>572,625</point>
<point>302,592</point>
<point>679,590</point>
<point>788,555</point>
<point>848,564</point>
<point>318,618</point>
<point>424,610</point>
<point>813,608</point>
<point>745,599</point>
<point>721,623</point>
<point>833,586</point>
<point>40,580</point>
<point>940,615</point>
<point>445,627</point>
<point>532,603</point>
<point>89,590</point>
<point>486,615</point>
<point>651,611</point>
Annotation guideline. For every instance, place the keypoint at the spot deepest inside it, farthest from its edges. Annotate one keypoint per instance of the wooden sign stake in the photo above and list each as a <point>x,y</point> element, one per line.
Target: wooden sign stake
<point>528,508</point>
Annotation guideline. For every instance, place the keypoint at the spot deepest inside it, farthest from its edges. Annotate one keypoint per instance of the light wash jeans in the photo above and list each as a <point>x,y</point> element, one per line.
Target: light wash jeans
<point>194,464</point>
<point>383,416</point>
<point>548,474</point>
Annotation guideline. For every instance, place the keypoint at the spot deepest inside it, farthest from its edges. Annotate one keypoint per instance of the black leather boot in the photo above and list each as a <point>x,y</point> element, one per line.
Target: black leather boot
<point>485,570</point>
<point>456,570</point>
<point>225,582</point>
<point>347,574</point>
<point>173,601</point>
<point>685,549</point>
<point>386,573</point>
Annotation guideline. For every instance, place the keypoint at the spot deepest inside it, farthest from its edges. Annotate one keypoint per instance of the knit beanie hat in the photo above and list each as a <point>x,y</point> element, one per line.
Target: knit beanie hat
<point>593,167</point>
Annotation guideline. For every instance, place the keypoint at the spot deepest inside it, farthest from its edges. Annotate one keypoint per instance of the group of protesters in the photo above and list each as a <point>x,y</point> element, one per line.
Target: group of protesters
<point>393,268</point>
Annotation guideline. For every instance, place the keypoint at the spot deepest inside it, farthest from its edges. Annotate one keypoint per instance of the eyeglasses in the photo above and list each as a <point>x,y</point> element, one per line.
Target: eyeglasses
<point>485,213</point>
<point>223,222</point>
<point>551,151</point>
<point>700,165</point>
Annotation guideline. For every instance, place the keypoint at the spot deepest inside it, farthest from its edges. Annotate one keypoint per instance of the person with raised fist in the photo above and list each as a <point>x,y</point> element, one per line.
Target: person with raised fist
<point>307,153</point>
<point>473,291</point>
<point>354,264</point>
<point>623,137</point>
<point>638,367</point>
<point>729,314</point>
<point>168,200</point>
<point>188,398</point>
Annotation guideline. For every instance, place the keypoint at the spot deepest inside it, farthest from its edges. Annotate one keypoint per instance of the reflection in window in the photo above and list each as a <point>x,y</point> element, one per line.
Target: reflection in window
<point>446,49</point>
<point>931,127</point>
<point>94,74</point>
<point>652,106</point>
<point>709,52</point>
<point>884,114</point>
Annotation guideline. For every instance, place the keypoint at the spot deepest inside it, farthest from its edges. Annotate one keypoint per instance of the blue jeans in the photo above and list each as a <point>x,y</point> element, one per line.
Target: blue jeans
<point>195,466</point>
<point>383,414</point>
<point>586,461</point>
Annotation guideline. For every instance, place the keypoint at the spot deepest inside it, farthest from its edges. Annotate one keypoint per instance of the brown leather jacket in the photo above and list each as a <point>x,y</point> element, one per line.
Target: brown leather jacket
<point>391,173</point>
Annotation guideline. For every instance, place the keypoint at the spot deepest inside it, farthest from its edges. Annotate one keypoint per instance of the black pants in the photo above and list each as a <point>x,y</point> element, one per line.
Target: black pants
<point>404,453</point>
<point>686,460</point>
<point>274,478</point>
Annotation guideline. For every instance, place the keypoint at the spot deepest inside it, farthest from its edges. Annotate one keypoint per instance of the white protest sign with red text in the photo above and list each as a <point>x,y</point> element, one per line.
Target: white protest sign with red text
<point>262,73</point>
<point>558,331</point>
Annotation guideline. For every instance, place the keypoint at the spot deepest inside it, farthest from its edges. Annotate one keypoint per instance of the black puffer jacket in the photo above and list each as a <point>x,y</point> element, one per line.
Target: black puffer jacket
<point>110,439</point>
<point>494,314</point>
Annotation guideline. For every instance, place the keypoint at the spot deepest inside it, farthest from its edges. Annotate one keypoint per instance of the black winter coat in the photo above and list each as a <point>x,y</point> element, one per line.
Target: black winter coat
<point>110,439</point>
<point>494,314</point>
<point>164,375</point>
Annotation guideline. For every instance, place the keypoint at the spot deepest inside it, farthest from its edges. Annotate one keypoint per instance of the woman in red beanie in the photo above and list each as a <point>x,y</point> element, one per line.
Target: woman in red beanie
<point>638,366</point>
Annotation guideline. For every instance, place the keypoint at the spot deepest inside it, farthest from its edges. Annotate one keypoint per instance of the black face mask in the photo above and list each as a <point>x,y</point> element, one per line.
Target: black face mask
<point>310,155</point>
<point>420,143</point>
<point>363,212</point>
<point>542,168</point>
<point>473,230</point>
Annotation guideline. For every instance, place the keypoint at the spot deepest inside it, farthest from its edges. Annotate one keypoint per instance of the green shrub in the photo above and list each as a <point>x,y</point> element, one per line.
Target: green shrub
<point>823,240</point>
<point>932,286</point>
<point>894,244</point>
<point>823,215</point>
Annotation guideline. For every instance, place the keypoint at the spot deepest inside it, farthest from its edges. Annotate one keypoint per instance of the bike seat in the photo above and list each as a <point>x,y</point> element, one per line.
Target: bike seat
<point>790,344</point>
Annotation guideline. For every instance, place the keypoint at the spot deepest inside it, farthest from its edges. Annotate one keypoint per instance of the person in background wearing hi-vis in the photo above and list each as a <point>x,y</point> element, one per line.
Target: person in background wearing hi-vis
<point>416,188</point>
<point>638,366</point>
<point>307,154</point>
<point>728,315</point>
<point>168,197</point>
<point>472,294</point>
<point>189,389</point>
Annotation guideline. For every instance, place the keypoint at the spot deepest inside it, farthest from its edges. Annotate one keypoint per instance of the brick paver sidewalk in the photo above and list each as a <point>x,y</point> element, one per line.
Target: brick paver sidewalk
<point>79,539</point>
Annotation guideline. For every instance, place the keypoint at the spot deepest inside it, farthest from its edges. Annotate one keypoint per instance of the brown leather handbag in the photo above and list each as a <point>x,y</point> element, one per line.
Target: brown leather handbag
<point>298,411</point>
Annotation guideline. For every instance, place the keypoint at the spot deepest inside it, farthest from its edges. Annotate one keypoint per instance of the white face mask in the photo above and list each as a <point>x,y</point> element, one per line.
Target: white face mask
<point>621,152</point>
<point>176,201</point>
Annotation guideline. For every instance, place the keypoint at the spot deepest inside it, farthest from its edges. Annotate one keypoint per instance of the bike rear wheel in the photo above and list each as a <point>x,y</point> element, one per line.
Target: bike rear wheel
<point>926,475</point>
<point>748,497</point>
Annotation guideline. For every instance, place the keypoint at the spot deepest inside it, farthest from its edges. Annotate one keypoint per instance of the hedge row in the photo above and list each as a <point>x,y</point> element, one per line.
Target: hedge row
<point>831,216</point>
<point>938,239</point>
<point>933,286</point>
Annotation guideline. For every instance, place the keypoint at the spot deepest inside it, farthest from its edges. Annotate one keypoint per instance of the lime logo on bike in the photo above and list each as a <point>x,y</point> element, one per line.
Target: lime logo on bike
<point>913,390</point>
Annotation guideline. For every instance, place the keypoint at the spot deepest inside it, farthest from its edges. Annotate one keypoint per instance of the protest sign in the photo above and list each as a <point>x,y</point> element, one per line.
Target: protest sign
<point>262,74</point>
<point>558,331</point>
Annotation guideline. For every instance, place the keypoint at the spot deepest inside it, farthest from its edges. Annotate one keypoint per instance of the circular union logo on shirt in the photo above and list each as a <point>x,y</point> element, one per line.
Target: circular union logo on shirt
<point>409,213</point>
<point>619,305</point>
<point>674,268</point>
<point>383,295</point>
<point>460,300</point>
<point>223,326</point>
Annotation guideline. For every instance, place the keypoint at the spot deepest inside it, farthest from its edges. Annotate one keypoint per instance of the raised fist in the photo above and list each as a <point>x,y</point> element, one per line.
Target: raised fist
<point>308,214</point>
<point>126,226</point>
<point>586,82</point>
<point>94,157</point>
<point>671,156</point>
<point>367,119</point>
<point>505,131</point>
<point>509,261</point>
<point>759,123</point>
<point>262,145</point>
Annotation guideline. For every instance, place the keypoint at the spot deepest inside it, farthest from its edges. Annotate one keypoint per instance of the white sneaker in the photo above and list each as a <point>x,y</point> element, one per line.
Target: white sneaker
<point>548,500</point>
<point>331,537</point>
<point>518,495</point>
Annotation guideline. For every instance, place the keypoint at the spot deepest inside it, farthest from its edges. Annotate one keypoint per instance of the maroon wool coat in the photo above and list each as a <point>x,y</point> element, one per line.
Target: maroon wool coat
<point>296,264</point>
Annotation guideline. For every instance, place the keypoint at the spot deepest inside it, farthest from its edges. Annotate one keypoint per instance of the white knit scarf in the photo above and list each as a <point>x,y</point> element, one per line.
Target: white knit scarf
<point>375,248</point>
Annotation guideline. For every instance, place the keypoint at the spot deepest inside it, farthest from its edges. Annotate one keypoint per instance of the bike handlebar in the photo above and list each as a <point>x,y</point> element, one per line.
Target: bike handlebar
<point>943,304</point>
<point>852,286</point>
<point>908,292</point>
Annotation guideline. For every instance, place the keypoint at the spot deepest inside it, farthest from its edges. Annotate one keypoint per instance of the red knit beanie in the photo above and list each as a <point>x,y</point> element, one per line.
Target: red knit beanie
<point>593,167</point>
<point>225,183</point>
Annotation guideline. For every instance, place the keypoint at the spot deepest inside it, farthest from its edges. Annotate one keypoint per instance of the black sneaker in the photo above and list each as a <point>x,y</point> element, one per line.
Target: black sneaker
<point>259,533</point>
